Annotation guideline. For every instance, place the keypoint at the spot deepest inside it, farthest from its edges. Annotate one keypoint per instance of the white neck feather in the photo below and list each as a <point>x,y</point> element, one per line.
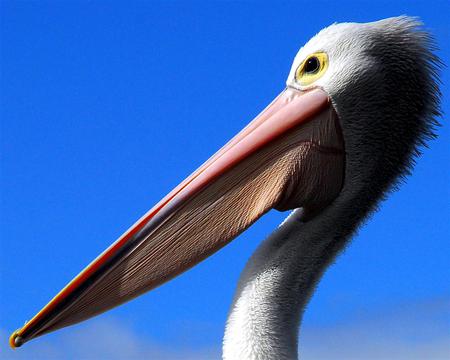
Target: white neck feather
<point>273,290</point>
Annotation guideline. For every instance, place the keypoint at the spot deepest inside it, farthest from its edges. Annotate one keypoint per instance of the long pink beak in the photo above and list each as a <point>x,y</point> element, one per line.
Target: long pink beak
<point>237,185</point>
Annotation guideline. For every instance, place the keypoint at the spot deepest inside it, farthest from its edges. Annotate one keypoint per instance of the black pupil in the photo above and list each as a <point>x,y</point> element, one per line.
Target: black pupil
<point>312,65</point>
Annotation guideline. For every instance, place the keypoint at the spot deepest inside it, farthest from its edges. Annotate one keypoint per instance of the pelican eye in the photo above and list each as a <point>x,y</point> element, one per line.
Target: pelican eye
<point>312,65</point>
<point>311,69</point>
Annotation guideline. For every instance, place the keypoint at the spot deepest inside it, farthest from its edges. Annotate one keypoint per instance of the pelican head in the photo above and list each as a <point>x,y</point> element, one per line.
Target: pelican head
<point>381,79</point>
<point>360,101</point>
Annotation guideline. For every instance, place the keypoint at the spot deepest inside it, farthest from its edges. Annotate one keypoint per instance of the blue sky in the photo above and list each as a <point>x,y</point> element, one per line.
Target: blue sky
<point>106,106</point>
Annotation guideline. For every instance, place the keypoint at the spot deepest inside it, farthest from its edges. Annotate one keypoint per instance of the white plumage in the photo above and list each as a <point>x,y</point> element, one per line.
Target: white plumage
<point>381,79</point>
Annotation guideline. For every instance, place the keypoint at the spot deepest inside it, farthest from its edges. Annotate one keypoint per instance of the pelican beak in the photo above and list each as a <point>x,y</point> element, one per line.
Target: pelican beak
<point>290,156</point>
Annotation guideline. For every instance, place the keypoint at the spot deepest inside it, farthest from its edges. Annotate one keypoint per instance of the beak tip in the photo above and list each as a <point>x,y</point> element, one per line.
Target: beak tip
<point>15,340</point>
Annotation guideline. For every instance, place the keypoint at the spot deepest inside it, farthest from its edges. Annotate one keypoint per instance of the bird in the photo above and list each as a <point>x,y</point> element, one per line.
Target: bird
<point>360,103</point>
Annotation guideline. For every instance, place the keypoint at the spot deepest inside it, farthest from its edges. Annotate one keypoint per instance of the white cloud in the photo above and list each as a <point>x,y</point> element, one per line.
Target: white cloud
<point>412,331</point>
<point>103,338</point>
<point>405,332</point>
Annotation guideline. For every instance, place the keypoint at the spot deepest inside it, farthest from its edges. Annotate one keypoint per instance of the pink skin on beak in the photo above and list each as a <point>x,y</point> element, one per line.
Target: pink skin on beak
<point>288,111</point>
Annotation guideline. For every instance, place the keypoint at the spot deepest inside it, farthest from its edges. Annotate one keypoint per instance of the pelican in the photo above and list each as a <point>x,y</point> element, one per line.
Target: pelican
<point>360,102</point>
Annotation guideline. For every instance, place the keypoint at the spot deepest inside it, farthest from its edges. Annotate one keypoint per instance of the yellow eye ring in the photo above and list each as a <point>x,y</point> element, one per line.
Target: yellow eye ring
<point>311,69</point>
